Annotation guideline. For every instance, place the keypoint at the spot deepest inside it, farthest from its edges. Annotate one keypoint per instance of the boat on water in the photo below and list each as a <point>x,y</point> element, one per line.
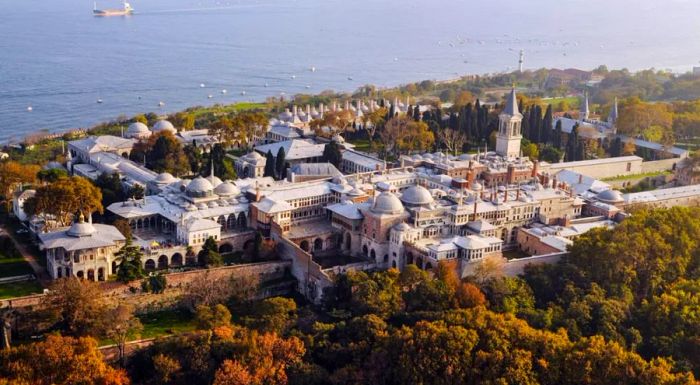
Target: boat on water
<point>125,11</point>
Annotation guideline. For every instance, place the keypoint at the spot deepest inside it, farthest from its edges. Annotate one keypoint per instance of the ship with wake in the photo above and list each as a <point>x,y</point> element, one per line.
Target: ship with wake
<point>125,11</point>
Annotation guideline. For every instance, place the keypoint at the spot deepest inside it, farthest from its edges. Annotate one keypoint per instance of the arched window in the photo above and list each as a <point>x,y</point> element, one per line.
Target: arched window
<point>318,244</point>
<point>364,250</point>
<point>304,245</point>
<point>176,260</point>
<point>150,265</point>
<point>373,255</point>
<point>163,262</point>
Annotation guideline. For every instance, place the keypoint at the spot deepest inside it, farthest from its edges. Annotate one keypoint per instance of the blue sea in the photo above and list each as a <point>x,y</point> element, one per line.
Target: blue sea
<point>56,57</point>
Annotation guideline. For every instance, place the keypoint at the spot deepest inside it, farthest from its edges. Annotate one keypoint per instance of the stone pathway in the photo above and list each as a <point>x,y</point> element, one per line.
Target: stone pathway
<point>40,272</point>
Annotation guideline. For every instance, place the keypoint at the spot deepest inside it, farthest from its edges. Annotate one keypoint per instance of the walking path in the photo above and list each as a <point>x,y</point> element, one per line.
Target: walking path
<point>41,274</point>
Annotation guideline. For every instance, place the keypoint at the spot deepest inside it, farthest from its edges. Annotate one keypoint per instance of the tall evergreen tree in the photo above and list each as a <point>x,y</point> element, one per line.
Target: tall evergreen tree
<point>556,140</point>
<point>130,266</point>
<point>547,125</point>
<point>331,154</point>
<point>269,164</point>
<point>572,145</point>
<point>280,165</point>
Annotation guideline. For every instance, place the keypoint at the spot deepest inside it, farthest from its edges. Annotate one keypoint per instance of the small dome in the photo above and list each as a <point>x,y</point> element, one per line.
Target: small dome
<point>286,115</point>
<point>387,203</point>
<point>213,204</point>
<point>165,177</point>
<point>164,125</point>
<point>476,186</point>
<point>610,196</point>
<point>402,227</point>
<point>81,229</point>
<point>214,180</point>
<point>202,206</point>
<point>416,195</point>
<point>199,185</point>
<point>137,130</point>
<point>227,189</point>
<point>355,192</point>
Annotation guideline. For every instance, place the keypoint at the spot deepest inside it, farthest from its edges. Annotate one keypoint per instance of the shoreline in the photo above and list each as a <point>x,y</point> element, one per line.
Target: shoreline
<point>48,133</point>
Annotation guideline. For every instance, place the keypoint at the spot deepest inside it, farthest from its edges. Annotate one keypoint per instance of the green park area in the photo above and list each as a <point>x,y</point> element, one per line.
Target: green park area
<point>19,289</point>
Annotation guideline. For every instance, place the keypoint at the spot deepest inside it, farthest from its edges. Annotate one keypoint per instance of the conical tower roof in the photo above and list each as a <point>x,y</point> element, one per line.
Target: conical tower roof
<point>512,104</point>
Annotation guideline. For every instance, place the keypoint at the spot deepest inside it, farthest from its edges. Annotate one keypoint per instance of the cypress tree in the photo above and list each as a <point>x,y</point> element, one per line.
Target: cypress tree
<point>572,145</point>
<point>269,164</point>
<point>557,135</point>
<point>547,125</point>
<point>525,125</point>
<point>280,167</point>
<point>416,113</point>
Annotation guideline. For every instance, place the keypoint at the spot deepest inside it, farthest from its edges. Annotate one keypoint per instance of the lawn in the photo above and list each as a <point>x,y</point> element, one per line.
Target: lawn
<point>635,176</point>
<point>514,254</point>
<point>361,145</point>
<point>19,289</point>
<point>166,322</point>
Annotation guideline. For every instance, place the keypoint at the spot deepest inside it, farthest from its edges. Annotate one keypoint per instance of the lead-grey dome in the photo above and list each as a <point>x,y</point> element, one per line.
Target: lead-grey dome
<point>416,195</point>
<point>227,189</point>
<point>610,196</point>
<point>81,229</point>
<point>137,130</point>
<point>387,203</point>
<point>199,185</point>
<point>164,125</point>
<point>165,177</point>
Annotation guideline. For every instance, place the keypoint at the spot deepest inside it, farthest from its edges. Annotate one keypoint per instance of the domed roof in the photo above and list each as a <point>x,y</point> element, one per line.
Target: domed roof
<point>137,128</point>
<point>402,227</point>
<point>81,229</point>
<point>164,125</point>
<point>254,156</point>
<point>165,177</point>
<point>227,189</point>
<point>199,185</point>
<point>387,203</point>
<point>610,196</point>
<point>214,180</point>
<point>286,115</point>
<point>416,195</point>
<point>202,206</point>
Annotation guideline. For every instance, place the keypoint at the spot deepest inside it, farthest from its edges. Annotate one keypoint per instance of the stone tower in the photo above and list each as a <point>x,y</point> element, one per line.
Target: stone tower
<point>509,128</point>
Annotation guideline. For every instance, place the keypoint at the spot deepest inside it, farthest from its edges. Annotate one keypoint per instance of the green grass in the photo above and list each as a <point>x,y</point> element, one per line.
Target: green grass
<point>227,108</point>
<point>166,322</point>
<point>19,289</point>
<point>361,145</point>
<point>514,254</point>
<point>636,176</point>
<point>12,266</point>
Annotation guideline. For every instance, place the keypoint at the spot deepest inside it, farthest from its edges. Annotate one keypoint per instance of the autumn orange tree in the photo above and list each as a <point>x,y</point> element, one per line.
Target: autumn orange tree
<point>13,174</point>
<point>65,200</point>
<point>58,361</point>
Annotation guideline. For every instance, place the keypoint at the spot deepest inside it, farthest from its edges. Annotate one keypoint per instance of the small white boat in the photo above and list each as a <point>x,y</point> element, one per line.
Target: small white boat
<point>313,69</point>
<point>294,76</point>
<point>99,101</point>
<point>242,92</point>
<point>307,87</point>
<point>266,85</point>
<point>29,108</point>
<point>349,77</point>
<point>223,91</point>
<point>210,96</point>
<point>201,85</point>
<point>161,104</point>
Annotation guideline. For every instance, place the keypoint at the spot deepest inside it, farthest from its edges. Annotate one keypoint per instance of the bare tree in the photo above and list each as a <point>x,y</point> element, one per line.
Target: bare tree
<point>123,326</point>
<point>452,139</point>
